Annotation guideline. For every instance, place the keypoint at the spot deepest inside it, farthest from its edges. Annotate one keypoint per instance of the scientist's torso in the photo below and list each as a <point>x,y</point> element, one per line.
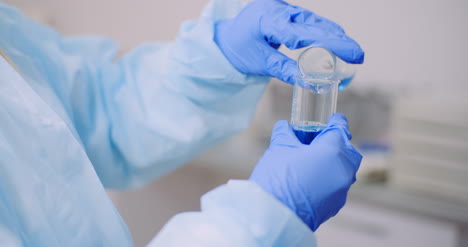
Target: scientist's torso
<point>49,191</point>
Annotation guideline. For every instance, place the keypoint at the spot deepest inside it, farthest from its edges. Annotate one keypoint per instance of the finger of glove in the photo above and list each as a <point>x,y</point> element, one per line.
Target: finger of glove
<point>296,36</point>
<point>345,48</point>
<point>337,135</point>
<point>300,15</point>
<point>339,120</point>
<point>280,66</point>
<point>283,135</point>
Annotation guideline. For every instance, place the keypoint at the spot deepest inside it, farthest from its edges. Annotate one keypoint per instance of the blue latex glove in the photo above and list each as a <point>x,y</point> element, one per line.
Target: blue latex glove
<point>312,180</point>
<point>250,41</point>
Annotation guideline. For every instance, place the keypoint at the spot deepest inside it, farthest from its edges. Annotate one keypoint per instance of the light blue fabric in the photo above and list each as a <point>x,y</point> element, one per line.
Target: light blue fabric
<point>50,194</point>
<point>239,213</point>
<point>146,113</point>
<point>251,39</point>
<point>312,180</point>
<point>74,118</point>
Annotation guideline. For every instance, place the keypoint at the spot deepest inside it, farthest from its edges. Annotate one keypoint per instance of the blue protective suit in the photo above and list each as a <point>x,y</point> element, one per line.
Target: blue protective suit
<point>74,119</point>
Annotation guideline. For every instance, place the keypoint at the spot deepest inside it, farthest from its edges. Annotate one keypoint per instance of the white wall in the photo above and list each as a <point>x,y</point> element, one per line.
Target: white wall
<point>406,41</point>
<point>129,22</point>
<point>417,41</point>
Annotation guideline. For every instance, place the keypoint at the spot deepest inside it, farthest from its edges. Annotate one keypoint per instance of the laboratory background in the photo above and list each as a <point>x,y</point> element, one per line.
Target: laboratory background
<point>407,107</point>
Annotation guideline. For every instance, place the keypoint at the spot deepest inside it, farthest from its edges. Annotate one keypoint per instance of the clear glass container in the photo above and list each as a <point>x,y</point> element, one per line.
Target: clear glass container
<point>319,62</point>
<point>316,91</point>
<point>314,100</point>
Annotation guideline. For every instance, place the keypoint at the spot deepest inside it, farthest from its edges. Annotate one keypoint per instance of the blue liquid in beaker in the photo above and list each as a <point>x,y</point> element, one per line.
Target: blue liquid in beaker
<point>306,134</point>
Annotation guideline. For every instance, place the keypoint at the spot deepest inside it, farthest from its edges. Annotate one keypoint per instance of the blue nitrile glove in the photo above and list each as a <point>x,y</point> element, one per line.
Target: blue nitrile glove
<point>250,40</point>
<point>312,180</point>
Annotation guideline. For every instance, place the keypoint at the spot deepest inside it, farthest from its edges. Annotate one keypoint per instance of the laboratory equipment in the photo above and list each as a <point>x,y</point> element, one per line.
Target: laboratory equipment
<point>430,141</point>
<point>319,62</point>
<point>314,101</point>
<point>316,90</point>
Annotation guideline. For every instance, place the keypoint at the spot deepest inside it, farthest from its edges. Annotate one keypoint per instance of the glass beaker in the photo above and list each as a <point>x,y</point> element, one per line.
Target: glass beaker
<point>319,62</point>
<point>314,101</point>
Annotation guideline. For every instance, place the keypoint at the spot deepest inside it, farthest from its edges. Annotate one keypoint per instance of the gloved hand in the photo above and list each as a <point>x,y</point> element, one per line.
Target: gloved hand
<point>250,40</point>
<point>312,180</point>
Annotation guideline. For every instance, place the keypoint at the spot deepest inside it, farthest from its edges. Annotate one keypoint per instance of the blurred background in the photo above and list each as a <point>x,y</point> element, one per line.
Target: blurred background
<point>407,108</point>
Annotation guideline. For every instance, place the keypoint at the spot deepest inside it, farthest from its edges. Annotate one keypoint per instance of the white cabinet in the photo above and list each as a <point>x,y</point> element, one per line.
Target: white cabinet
<point>379,216</point>
<point>364,225</point>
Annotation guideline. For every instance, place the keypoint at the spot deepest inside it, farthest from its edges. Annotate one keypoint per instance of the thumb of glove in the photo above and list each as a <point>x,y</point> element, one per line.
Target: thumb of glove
<point>283,135</point>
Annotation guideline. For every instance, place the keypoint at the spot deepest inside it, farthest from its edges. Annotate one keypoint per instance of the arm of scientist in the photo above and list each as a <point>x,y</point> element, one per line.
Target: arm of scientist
<point>160,105</point>
<point>293,189</point>
<point>143,114</point>
<point>238,213</point>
